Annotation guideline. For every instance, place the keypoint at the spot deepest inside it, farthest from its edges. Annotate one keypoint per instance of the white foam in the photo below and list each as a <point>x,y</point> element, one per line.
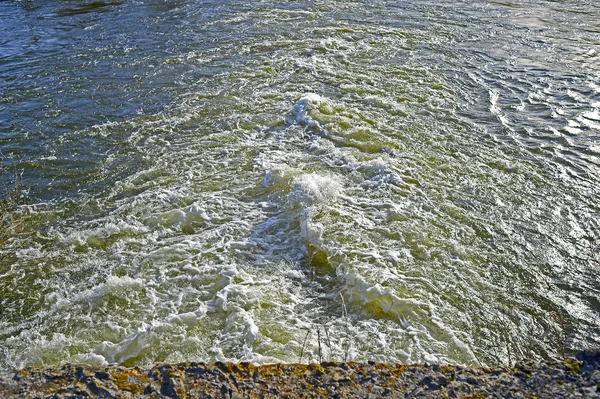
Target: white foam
<point>189,318</point>
<point>304,106</point>
<point>114,285</point>
<point>388,302</point>
<point>309,193</point>
<point>128,348</point>
<point>91,358</point>
<point>311,189</point>
<point>495,108</point>
<point>194,213</point>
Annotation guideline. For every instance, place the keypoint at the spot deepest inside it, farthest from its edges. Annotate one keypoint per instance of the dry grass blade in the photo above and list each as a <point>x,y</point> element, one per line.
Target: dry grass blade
<point>319,342</point>
<point>303,346</point>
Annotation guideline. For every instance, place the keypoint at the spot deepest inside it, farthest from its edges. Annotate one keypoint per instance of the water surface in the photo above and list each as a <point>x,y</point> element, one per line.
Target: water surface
<point>399,181</point>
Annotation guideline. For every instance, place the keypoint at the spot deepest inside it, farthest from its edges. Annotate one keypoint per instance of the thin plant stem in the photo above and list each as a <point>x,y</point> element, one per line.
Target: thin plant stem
<point>328,342</point>
<point>303,346</point>
<point>319,342</point>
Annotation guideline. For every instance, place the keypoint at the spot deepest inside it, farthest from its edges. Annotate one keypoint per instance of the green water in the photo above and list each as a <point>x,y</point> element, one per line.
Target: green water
<point>252,181</point>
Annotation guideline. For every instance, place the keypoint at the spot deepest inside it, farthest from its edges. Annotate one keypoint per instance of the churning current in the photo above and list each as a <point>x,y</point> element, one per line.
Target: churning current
<point>275,181</point>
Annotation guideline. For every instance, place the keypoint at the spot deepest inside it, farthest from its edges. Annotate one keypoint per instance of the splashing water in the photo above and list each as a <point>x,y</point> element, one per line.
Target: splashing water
<point>249,181</point>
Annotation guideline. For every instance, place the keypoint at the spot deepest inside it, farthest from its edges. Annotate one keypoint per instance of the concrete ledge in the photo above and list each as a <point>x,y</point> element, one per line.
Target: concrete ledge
<point>572,378</point>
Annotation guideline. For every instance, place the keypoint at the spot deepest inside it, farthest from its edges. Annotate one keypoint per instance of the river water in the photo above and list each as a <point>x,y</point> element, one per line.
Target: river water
<point>276,181</point>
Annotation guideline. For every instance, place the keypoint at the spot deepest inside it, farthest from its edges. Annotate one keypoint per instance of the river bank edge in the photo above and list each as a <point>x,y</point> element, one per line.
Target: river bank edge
<point>577,377</point>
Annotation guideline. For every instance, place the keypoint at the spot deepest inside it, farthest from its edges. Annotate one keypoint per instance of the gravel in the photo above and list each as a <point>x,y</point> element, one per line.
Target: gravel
<point>571,378</point>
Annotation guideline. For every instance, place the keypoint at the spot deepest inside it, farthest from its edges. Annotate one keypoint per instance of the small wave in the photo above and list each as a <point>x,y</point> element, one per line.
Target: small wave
<point>303,107</point>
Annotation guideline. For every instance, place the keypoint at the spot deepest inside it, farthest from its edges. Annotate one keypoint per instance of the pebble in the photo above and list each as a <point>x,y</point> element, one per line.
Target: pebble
<point>571,378</point>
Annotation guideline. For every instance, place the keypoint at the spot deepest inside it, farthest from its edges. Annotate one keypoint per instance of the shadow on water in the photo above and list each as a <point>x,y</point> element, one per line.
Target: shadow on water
<point>96,6</point>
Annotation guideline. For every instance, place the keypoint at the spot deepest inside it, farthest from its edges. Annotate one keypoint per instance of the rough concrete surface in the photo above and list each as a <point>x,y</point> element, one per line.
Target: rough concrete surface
<point>572,378</point>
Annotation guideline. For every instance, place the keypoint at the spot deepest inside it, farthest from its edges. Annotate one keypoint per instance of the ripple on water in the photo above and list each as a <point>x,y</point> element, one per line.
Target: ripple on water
<point>407,183</point>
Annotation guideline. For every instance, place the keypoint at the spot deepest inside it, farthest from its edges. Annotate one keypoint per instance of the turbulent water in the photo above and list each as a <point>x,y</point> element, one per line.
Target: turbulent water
<point>275,181</point>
